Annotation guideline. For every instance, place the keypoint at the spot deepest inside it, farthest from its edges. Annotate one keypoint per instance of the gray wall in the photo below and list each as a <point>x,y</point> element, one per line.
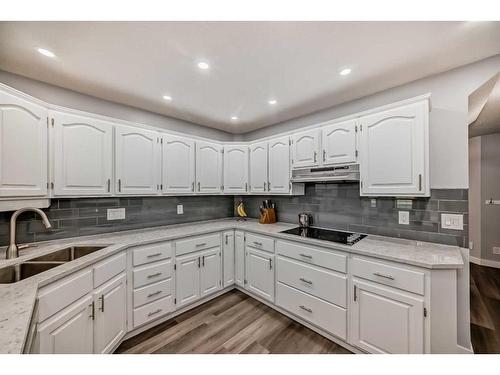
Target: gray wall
<point>475,196</point>
<point>72,99</point>
<point>448,118</point>
<point>339,206</point>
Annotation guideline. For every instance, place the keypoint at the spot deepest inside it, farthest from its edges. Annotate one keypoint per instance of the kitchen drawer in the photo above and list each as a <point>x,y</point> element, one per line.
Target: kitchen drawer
<point>55,297</point>
<point>260,242</point>
<point>108,268</point>
<point>197,243</point>
<point>152,292</point>
<point>151,273</point>
<point>322,314</point>
<point>396,276</point>
<point>325,258</point>
<point>153,310</point>
<point>319,282</point>
<point>151,253</point>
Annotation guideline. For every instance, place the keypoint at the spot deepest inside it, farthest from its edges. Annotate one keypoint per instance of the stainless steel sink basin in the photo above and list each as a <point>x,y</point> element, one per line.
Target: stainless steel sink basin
<point>32,267</point>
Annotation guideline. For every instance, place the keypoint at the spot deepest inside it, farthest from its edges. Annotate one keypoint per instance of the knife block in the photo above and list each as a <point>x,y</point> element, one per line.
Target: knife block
<point>267,216</point>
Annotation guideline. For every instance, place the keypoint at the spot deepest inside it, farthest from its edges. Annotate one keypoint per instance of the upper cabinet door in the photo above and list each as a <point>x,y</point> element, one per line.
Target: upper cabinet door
<point>208,167</point>
<point>279,165</point>
<point>235,169</point>
<point>83,155</point>
<point>394,147</point>
<point>339,143</point>
<point>23,147</point>
<point>137,161</point>
<point>258,167</point>
<point>178,164</point>
<point>305,149</point>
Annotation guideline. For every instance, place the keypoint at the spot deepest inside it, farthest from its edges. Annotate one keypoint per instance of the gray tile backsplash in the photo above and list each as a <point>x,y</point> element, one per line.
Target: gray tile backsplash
<point>339,206</point>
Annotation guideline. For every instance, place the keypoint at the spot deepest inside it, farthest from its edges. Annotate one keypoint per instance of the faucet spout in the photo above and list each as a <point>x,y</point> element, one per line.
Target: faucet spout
<point>12,250</point>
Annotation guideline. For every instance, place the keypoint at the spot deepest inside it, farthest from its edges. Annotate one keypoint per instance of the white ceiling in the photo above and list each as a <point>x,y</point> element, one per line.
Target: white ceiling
<point>296,63</point>
<point>487,120</point>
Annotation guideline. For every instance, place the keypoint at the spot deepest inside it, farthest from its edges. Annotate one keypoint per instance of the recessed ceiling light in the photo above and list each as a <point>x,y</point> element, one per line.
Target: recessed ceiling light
<point>272,101</point>
<point>234,118</point>
<point>345,72</point>
<point>46,52</point>
<point>167,98</point>
<point>203,65</point>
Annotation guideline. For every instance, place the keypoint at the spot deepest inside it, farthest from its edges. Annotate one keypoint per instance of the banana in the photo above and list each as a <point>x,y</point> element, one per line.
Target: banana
<point>241,210</point>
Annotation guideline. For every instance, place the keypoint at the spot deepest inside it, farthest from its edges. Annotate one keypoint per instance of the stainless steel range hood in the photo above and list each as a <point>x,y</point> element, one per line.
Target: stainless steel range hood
<point>327,174</point>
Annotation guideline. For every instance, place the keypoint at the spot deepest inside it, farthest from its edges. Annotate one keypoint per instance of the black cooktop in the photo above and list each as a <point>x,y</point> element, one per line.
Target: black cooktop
<point>346,238</point>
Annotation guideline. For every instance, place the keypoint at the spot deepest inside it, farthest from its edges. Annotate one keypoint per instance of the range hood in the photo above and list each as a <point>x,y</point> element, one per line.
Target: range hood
<point>327,174</point>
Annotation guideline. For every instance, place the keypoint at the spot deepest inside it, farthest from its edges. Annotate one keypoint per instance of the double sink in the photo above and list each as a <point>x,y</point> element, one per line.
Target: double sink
<point>32,267</point>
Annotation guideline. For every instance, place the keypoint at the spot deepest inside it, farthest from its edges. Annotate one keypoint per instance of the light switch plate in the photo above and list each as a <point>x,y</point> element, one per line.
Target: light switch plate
<point>404,217</point>
<point>496,250</point>
<point>373,203</point>
<point>452,221</point>
<point>116,213</point>
<point>180,209</point>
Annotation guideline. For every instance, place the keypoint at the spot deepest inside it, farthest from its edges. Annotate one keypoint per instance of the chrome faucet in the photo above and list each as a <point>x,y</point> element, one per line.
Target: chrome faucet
<point>13,250</point>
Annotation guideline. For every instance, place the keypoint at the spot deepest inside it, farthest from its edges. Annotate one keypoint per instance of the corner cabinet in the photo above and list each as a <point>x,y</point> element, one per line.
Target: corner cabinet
<point>236,169</point>
<point>178,164</point>
<point>394,149</point>
<point>208,167</point>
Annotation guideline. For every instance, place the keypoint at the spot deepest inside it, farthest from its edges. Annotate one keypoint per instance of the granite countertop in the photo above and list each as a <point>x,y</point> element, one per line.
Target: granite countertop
<point>17,301</point>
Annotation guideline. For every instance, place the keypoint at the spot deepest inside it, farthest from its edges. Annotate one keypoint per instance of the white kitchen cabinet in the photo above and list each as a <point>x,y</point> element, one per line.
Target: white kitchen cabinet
<point>187,283</point>
<point>305,148</point>
<point>178,164</point>
<point>208,167</point>
<point>339,143</point>
<point>23,147</point>
<point>210,271</point>
<point>71,331</point>
<point>235,169</point>
<point>239,258</point>
<point>386,320</point>
<point>260,273</point>
<point>394,147</point>
<point>279,166</point>
<point>228,257</point>
<point>137,161</point>
<point>258,167</point>
<point>110,314</point>
<point>83,155</point>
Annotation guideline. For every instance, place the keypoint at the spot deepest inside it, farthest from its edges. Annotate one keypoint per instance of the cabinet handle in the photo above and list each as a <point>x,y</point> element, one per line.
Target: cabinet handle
<point>315,156</point>
<point>192,186</point>
<point>385,276</point>
<point>226,239</point>
<point>109,185</point>
<point>92,310</point>
<point>306,281</point>
<point>257,243</point>
<point>102,302</point>
<point>199,186</point>
<point>306,308</point>
<point>203,260</point>
<point>268,186</point>
<point>246,186</point>
<point>155,312</point>
<point>119,185</point>
<point>154,293</point>
<point>264,185</point>
<point>153,255</point>
<point>324,155</point>
<point>420,182</point>
<point>198,262</point>
<point>306,256</point>
<point>355,293</point>
<point>154,275</point>
<point>270,264</point>
<point>200,244</point>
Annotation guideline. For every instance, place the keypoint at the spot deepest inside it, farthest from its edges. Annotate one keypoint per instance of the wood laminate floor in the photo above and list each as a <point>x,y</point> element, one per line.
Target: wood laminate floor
<point>236,323</point>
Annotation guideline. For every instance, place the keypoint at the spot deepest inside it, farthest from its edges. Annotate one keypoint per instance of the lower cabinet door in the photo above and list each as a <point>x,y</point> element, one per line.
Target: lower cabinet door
<point>70,331</point>
<point>385,320</point>
<point>110,314</point>
<point>260,273</point>
<point>187,282</point>
<point>228,256</point>
<point>210,276</point>
<point>239,258</point>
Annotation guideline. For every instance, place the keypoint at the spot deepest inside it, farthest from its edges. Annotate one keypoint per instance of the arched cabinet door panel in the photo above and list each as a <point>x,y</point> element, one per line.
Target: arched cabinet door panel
<point>339,143</point>
<point>236,169</point>
<point>258,167</point>
<point>178,164</point>
<point>208,167</point>
<point>83,155</point>
<point>305,149</point>
<point>279,165</point>
<point>137,158</point>
<point>23,147</point>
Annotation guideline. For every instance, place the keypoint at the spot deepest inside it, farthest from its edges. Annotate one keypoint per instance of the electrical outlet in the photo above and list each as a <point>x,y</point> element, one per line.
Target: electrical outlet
<point>116,213</point>
<point>373,203</point>
<point>471,245</point>
<point>496,250</point>
<point>404,217</point>
<point>452,221</point>
<point>180,209</point>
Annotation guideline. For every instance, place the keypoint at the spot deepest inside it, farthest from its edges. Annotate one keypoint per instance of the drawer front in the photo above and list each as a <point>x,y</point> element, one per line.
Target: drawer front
<point>153,310</point>
<point>108,268</point>
<point>395,276</point>
<point>197,243</point>
<point>152,292</point>
<point>311,255</point>
<point>151,253</point>
<point>260,242</point>
<point>55,297</point>
<point>322,314</point>
<point>319,282</point>
<point>152,273</point>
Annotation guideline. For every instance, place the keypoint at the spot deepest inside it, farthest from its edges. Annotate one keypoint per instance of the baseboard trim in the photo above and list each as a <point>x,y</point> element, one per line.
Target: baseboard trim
<point>485,262</point>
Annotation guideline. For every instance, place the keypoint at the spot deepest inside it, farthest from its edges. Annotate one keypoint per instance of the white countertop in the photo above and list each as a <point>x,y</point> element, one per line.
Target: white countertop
<point>17,300</point>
